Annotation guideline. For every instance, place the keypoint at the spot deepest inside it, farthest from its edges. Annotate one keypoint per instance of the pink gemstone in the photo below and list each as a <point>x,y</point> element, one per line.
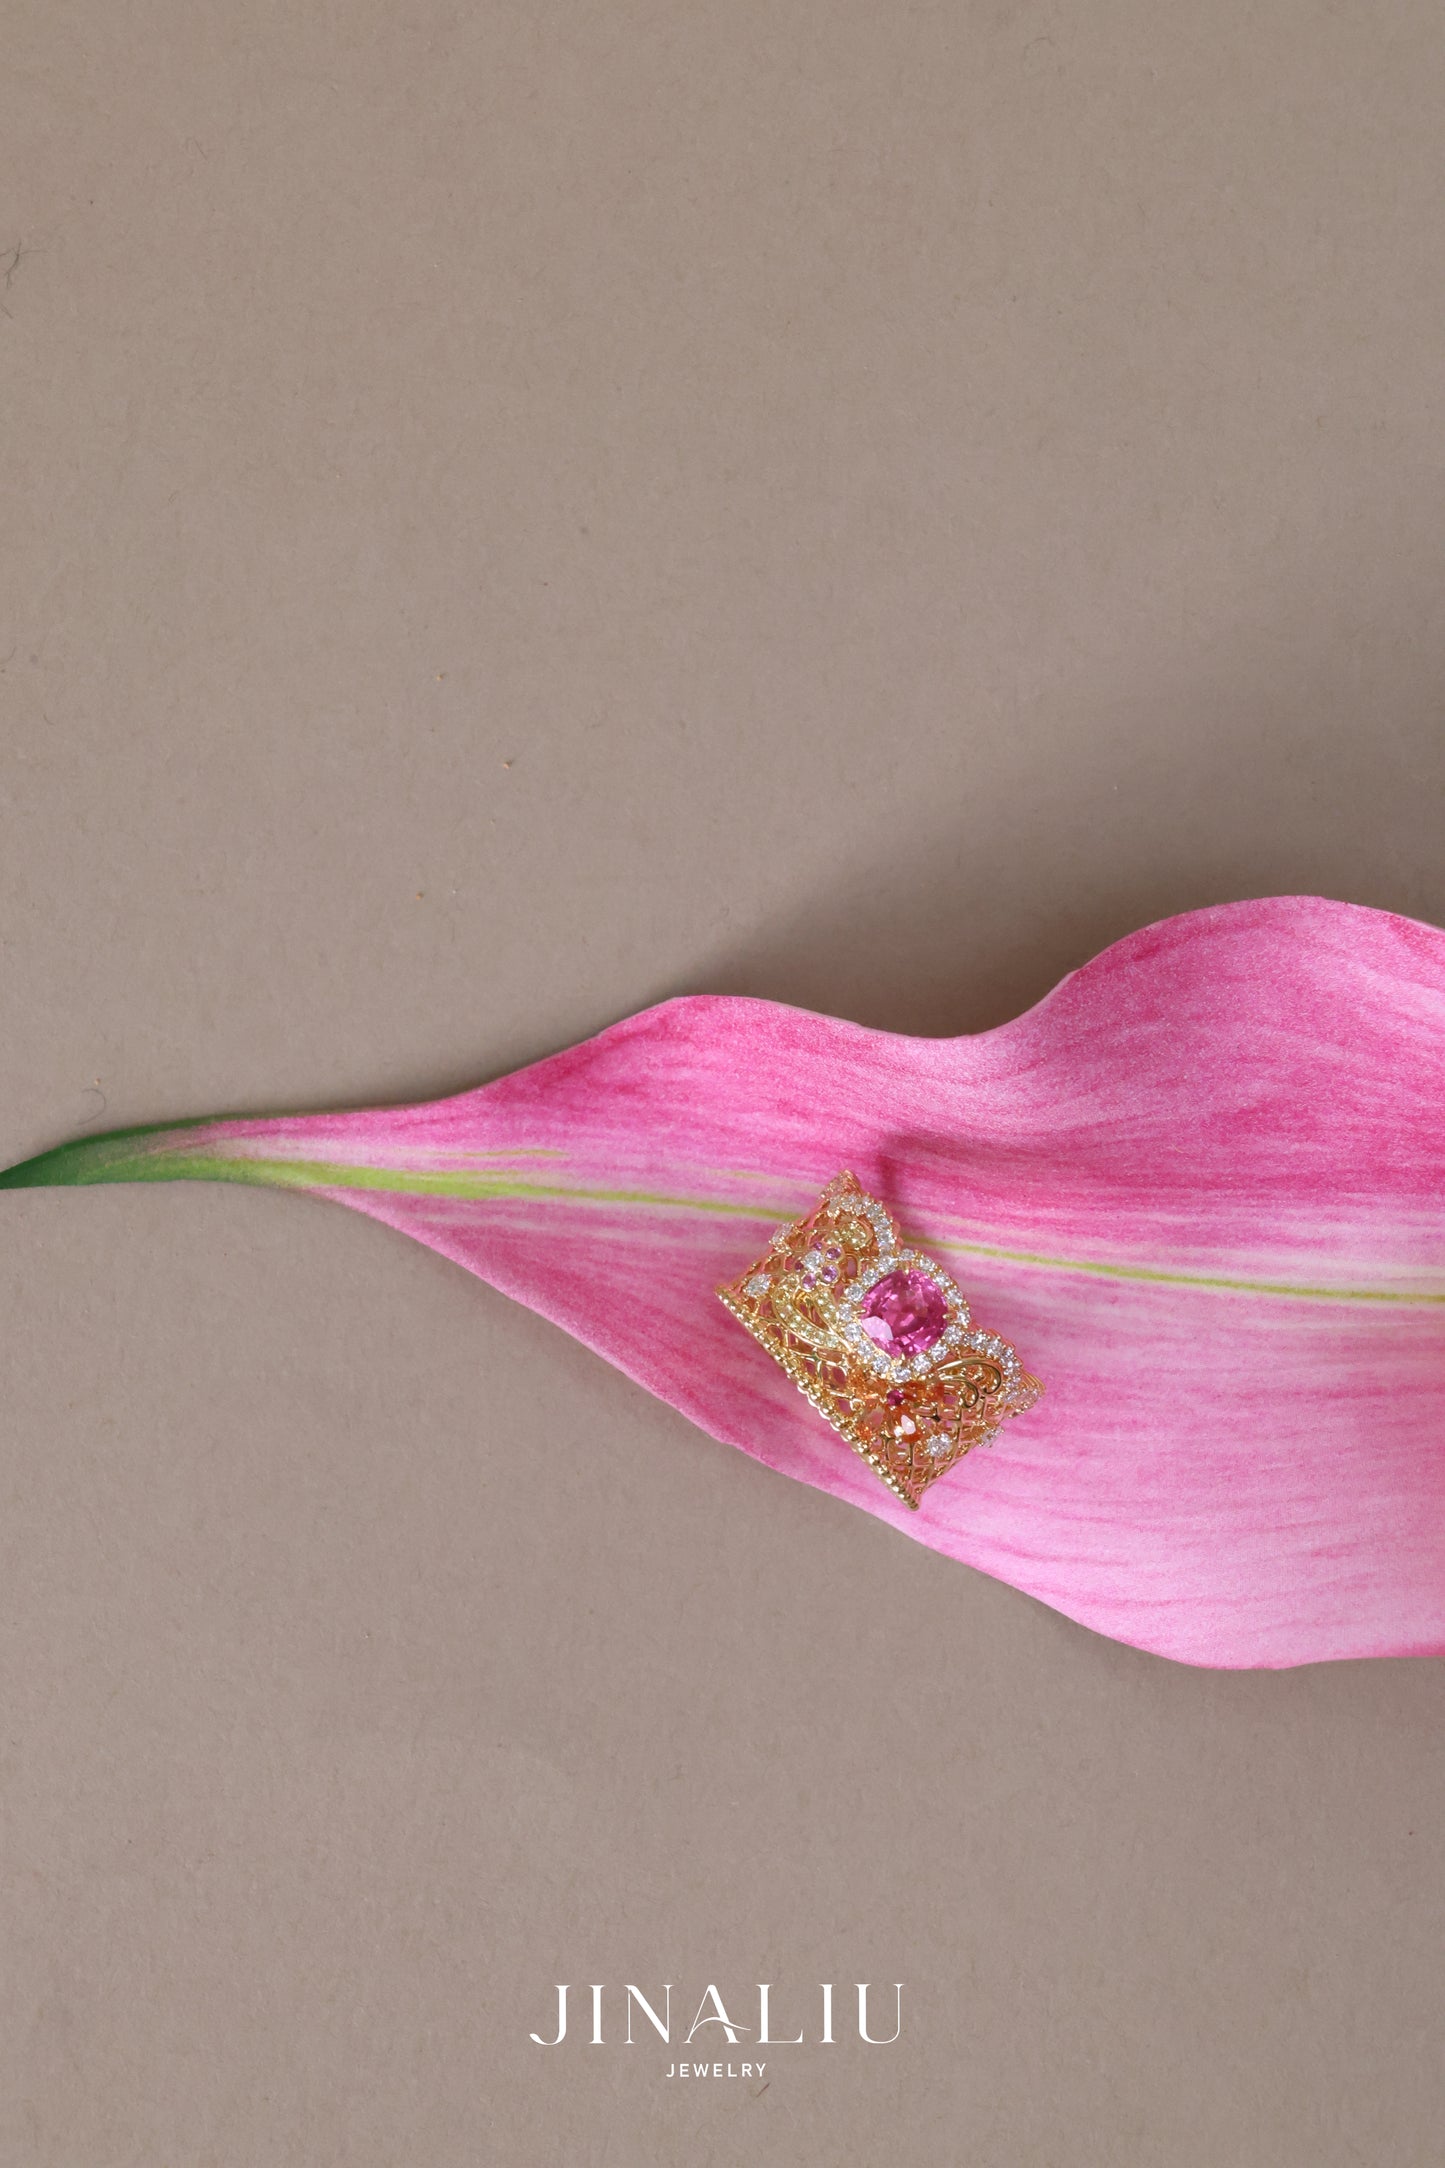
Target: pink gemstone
<point>904,1313</point>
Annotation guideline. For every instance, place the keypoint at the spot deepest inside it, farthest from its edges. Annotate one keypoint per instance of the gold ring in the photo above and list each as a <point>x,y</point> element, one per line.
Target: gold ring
<point>880,1339</point>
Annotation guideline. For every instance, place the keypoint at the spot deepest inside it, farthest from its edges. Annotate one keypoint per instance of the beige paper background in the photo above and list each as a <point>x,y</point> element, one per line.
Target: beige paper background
<point>512,512</point>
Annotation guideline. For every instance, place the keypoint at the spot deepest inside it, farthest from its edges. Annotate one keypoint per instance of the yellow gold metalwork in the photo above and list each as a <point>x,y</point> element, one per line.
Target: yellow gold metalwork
<point>911,1415</point>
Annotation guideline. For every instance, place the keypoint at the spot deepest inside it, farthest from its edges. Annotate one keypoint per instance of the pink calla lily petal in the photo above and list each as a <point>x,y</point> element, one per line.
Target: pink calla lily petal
<point>1200,1185</point>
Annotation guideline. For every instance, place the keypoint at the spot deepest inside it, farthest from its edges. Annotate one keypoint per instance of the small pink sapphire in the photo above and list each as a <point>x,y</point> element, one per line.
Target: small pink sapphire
<point>904,1313</point>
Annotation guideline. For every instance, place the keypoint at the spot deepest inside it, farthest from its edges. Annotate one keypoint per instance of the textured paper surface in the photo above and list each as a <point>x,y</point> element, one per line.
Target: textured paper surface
<point>912,495</point>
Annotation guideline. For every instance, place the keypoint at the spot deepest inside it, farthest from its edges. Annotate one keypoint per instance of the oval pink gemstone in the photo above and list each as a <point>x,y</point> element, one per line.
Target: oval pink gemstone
<point>905,1313</point>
